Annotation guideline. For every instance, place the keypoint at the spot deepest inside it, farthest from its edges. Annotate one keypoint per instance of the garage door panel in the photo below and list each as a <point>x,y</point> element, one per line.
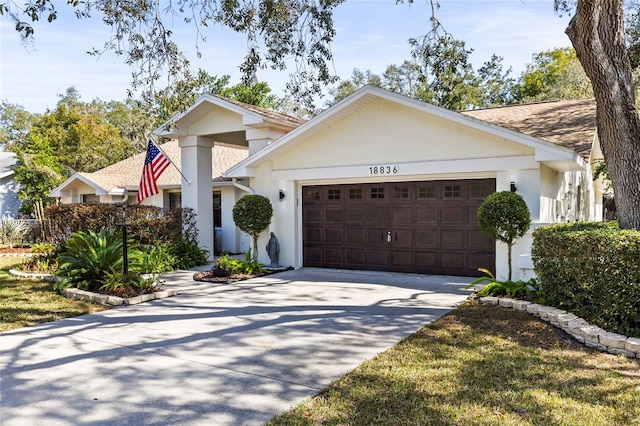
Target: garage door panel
<point>427,214</point>
<point>452,238</point>
<point>313,256</point>
<point>333,235</point>
<point>313,235</point>
<point>313,215</point>
<point>355,257</point>
<point>355,215</point>
<point>378,215</point>
<point>334,215</point>
<point>426,259</point>
<point>452,260</point>
<point>377,258</point>
<point>426,238</point>
<point>334,255</point>
<point>356,236</point>
<point>402,258</point>
<point>453,216</point>
<point>402,216</point>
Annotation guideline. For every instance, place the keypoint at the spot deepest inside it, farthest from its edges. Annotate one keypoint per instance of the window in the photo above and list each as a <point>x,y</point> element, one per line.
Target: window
<point>333,194</point>
<point>90,199</point>
<point>175,200</point>
<point>401,192</point>
<point>217,209</point>
<point>428,191</point>
<point>452,191</point>
<point>377,192</point>
<point>355,193</point>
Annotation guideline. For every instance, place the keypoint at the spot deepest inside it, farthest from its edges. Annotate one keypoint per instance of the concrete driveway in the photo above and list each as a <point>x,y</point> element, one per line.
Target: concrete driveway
<point>217,354</point>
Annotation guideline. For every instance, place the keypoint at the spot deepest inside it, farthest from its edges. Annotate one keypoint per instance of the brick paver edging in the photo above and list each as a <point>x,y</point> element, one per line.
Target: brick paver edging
<point>585,333</point>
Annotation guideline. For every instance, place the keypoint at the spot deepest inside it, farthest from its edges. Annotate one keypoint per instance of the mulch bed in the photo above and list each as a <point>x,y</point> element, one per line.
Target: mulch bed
<point>213,276</point>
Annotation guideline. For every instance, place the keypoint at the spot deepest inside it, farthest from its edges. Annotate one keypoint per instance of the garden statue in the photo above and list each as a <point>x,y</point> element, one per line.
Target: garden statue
<point>273,249</point>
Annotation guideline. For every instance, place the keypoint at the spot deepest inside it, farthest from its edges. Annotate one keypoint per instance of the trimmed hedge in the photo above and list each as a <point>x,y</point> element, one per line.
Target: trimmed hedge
<point>591,270</point>
<point>147,225</point>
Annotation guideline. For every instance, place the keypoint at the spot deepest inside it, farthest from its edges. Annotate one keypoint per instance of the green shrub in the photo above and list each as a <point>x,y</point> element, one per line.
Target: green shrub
<point>87,257</point>
<point>157,259</point>
<point>518,289</point>
<point>187,254</point>
<point>252,214</point>
<point>236,266</point>
<point>43,248</point>
<point>504,216</point>
<point>591,270</point>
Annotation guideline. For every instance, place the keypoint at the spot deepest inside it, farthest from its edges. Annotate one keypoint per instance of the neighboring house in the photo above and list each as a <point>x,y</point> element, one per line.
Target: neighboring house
<point>9,201</point>
<point>384,182</point>
<point>119,183</point>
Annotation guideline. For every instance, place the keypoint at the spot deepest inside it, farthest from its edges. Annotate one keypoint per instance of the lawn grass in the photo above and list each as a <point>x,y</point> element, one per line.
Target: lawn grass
<point>25,302</point>
<point>481,365</point>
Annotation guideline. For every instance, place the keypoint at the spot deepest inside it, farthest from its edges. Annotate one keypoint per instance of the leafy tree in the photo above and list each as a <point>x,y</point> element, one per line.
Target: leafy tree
<point>252,214</point>
<point>15,123</point>
<point>504,216</point>
<point>37,171</point>
<point>553,75</point>
<point>496,87</point>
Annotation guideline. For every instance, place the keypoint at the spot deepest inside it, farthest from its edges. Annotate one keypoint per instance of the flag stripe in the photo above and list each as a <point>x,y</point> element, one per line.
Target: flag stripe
<point>155,163</point>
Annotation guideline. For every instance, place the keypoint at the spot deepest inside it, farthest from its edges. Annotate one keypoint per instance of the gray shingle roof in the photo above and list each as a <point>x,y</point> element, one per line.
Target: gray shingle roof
<point>126,173</point>
<point>569,123</point>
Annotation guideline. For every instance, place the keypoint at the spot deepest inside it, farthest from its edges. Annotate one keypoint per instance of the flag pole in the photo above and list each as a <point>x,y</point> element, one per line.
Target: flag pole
<point>170,160</point>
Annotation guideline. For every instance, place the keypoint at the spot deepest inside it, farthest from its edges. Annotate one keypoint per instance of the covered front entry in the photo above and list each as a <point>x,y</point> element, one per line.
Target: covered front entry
<point>422,227</point>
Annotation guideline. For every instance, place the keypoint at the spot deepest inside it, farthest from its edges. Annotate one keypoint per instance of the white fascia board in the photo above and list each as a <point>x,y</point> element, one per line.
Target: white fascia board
<point>470,165</point>
<point>57,192</point>
<point>173,127</point>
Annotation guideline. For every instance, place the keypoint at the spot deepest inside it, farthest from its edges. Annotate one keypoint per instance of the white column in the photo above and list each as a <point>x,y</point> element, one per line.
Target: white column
<point>197,193</point>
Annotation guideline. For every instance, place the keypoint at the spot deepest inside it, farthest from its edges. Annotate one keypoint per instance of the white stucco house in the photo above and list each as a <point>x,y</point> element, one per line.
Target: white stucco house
<point>9,201</point>
<point>383,182</point>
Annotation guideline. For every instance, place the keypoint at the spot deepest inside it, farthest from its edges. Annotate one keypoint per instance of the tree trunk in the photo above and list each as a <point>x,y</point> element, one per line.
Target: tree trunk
<point>597,34</point>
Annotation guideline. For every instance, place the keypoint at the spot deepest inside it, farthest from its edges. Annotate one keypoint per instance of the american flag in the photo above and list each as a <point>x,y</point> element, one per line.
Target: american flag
<point>154,164</point>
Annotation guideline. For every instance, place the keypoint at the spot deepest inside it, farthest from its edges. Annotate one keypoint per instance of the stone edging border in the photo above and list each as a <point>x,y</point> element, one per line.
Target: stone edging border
<point>105,299</point>
<point>589,335</point>
<point>102,299</point>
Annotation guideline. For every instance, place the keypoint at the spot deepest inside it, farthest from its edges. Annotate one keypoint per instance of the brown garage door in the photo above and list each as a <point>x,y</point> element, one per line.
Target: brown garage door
<point>424,227</point>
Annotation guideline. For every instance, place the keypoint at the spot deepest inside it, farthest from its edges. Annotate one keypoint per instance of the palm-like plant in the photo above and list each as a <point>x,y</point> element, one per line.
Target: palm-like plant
<point>89,256</point>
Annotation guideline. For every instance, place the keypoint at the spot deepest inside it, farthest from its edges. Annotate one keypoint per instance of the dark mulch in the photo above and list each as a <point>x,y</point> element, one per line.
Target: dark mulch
<point>213,276</point>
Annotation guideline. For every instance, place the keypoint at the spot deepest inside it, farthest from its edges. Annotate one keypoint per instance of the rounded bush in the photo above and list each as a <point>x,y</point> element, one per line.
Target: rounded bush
<point>504,216</point>
<point>252,214</point>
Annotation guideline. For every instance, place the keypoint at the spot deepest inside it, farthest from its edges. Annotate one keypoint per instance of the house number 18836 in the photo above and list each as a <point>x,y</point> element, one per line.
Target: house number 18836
<point>387,169</point>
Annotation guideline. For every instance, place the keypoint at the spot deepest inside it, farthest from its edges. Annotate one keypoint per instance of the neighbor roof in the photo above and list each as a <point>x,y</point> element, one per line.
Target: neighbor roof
<point>569,123</point>
<point>126,173</point>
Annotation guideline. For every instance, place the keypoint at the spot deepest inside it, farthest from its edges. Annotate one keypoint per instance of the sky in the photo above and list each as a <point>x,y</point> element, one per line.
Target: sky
<point>371,34</point>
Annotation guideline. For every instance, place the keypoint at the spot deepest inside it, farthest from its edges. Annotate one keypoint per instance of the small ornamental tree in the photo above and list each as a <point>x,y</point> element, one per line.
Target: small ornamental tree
<point>252,214</point>
<point>504,216</point>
